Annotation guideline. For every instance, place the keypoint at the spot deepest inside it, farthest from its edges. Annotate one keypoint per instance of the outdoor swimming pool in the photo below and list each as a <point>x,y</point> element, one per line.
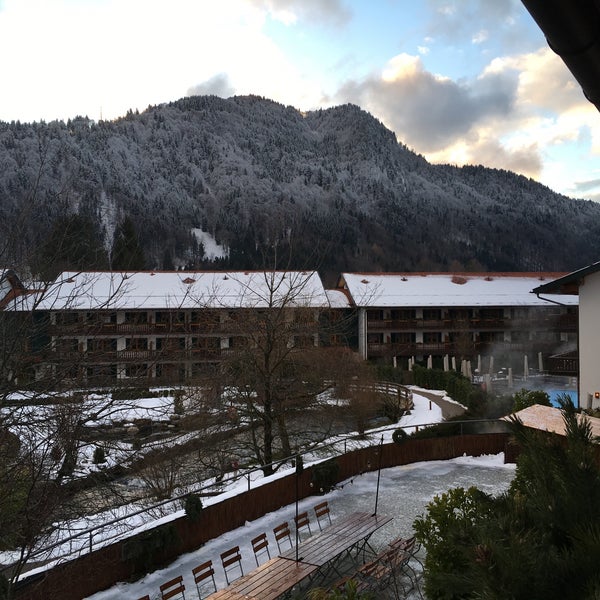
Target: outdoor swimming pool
<point>555,394</point>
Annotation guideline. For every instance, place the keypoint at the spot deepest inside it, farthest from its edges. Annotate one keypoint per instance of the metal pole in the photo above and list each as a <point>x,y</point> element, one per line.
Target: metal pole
<point>378,474</point>
<point>299,469</point>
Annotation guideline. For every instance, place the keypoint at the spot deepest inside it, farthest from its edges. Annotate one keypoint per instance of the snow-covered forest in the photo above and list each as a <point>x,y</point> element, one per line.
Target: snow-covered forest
<point>334,187</point>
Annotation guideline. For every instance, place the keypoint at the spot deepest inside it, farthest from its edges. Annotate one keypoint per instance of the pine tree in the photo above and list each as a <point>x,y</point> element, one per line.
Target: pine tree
<point>127,254</point>
<point>541,539</point>
<point>74,244</point>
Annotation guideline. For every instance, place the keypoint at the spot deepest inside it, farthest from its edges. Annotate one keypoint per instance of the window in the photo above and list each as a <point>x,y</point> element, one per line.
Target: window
<point>403,314</point>
<point>432,337</point>
<point>67,345</point>
<point>67,318</point>
<point>375,315</point>
<point>375,338</point>
<point>136,370</point>
<point>432,314</point>
<point>101,344</point>
<point>403,338</point>
<point>136,344</point>
<point>136,317</point>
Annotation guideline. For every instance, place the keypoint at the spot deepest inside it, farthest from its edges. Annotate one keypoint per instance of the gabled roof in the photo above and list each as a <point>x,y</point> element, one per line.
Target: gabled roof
<point>182,289</point>
<point>10,286</point>
<point>568,284</point>
<point>445,289</point>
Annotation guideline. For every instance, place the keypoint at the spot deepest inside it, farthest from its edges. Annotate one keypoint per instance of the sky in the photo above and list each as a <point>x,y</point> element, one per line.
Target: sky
<point>458,81</point>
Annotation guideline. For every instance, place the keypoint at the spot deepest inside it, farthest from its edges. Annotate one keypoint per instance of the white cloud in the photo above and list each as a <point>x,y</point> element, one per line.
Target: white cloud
<point>480,37</point>
<point>518,113</point>
<point>112,55</point>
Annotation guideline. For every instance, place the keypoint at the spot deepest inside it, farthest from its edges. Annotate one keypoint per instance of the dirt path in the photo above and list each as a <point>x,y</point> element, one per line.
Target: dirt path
<point>449,409</point>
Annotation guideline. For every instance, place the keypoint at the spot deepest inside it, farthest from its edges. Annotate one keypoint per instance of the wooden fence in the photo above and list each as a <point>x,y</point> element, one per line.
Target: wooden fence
<point>131,558</point>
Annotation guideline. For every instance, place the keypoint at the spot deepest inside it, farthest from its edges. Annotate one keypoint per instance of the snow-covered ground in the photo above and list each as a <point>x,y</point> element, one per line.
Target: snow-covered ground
<point>404,493</point>
<point>72,537</point>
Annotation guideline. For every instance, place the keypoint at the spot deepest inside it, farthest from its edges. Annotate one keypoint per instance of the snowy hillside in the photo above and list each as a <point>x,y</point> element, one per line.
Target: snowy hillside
<point>333,185</point>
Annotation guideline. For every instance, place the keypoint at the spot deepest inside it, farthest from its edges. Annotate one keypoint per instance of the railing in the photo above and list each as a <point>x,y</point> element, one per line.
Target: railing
<point>166,329</point>
<point>76,574</point>
<point>459,348</point>
<point>83,541</point>
<point>548,322</point>
<point>563,365</point>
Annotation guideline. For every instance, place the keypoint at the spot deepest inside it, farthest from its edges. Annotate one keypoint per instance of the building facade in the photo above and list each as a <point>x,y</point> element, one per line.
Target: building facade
<point>403,315</point>
<point>583,284</point>
<point>165,327</point>
<point>168,327</point>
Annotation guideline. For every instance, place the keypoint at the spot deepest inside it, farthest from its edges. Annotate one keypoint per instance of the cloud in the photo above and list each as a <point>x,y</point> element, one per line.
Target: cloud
<point>585,186</point>
<point>459,20</point>
<point>330,12</point>
<point>217,85</point>
<point>426,111</point>
<point>480,37</point>
<point>544,80</point>
<point>522,113</point>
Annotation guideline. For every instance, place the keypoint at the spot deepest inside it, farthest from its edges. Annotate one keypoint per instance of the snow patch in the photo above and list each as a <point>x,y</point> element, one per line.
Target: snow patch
<point>212,249</point>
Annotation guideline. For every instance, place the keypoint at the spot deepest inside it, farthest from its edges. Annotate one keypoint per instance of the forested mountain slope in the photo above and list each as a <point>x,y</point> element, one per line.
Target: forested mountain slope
<point>332,188</point>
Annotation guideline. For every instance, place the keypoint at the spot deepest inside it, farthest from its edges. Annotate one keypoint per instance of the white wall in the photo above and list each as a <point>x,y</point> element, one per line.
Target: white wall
<point>589,340</point>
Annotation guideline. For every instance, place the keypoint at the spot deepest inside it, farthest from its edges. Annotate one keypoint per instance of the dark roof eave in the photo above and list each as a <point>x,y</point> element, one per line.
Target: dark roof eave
<point>572,30</point>
<point>569,284</point>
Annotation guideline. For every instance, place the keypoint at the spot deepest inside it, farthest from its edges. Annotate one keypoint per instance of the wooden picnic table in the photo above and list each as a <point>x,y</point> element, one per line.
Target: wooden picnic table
<point>346,537</point>
<point>267,582</point>
<point>317,556</point>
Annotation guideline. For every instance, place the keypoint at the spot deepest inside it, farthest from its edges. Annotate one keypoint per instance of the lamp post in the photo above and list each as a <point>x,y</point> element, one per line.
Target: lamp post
<point>378,474</point>
<point>299,469</point>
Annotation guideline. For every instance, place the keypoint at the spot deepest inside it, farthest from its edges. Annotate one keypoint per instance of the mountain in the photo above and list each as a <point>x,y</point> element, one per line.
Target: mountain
<point>332,189</point>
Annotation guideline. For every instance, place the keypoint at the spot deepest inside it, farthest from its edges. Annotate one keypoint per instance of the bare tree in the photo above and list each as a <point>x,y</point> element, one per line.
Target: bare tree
<point>275,371</point>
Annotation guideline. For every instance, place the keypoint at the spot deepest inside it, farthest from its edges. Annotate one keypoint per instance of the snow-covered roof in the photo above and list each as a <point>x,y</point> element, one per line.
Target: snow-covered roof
<point>447,289</point>
<point>338,299</point>
<point>5,285</point>
<point>548,418</point>
<point>183,289</point>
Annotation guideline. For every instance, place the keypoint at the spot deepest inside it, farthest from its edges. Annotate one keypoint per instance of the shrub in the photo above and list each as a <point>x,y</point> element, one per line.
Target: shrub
<point>324,475</point>
<point>193,506</point>
<point>524,398</point>
<point>99,455</point>
<point>144,550</point>
<point>399,436</point>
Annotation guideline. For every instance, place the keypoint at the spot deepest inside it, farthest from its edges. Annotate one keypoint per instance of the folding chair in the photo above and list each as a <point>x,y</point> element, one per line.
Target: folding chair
<point>322,511</point>
<point>260,546</point>
<point>403,543</point>
<point>230,560</point>
<point>408,545</point>
<point>384,572</point>
<point>172,588</point>
<point>281,532</point>
<point>397,560</point>
<point>303,522</point>
<point>203,572</point>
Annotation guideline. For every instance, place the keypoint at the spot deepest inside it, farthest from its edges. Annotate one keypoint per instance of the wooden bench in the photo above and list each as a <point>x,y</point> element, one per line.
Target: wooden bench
<point>271,580</point>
